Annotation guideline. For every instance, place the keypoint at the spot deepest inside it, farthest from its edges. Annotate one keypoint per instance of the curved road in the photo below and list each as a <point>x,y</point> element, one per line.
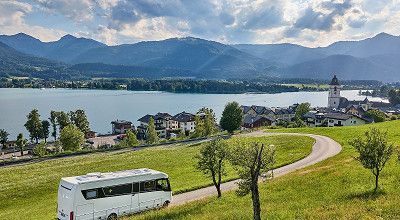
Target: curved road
<point>322,149</point>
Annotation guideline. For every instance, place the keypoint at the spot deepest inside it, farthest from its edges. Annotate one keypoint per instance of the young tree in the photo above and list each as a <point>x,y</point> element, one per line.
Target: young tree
<point>250,160</point>
<point>130,140</point>
<point>3,137</point>
<point>231,117</point>
<point>211,161</point>
<point>34,125</point>
<point>21,142</point>
<point>80,120</point>
<point>302,109</point>
<point>71,138</point>
<point>374,151</point>
<point>45,130</point>
<point>209,121</point>
<point>375,114</point>
<point>152,134</point>
<point>63,120</point>
<point>199,130</point>
<point>53,121</point>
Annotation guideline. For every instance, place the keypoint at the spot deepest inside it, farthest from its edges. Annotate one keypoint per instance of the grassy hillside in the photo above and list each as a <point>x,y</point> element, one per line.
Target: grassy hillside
<point>30,191</point>
<point>337,188</point>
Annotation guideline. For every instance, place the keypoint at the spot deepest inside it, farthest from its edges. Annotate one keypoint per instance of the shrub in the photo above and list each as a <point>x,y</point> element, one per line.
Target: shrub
<point>40,150</point>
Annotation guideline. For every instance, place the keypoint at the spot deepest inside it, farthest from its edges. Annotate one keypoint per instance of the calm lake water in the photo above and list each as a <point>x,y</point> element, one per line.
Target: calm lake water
<point>103,106</point>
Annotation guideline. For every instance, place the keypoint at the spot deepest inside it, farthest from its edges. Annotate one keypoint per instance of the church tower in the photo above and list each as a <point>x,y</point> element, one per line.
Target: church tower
<point>334,93</point>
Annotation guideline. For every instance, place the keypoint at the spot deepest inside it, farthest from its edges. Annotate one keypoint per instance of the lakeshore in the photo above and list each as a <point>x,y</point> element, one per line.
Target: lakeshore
<point>104,106</point>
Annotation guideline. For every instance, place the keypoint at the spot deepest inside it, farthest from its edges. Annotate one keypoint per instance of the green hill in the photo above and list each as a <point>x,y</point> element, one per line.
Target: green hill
<point>337,188</point>
<point>30,191</point>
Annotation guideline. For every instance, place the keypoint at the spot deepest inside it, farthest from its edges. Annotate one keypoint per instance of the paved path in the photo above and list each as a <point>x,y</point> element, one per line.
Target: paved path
<point>323,148</point>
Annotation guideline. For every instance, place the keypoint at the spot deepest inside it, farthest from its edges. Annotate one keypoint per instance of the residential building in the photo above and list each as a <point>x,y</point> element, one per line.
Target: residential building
<point>159,124</point>
<point>333,119</point>
<point>250,121</point>
<point>276,113</point>
<point>121,126</point>
<point>186,121</point>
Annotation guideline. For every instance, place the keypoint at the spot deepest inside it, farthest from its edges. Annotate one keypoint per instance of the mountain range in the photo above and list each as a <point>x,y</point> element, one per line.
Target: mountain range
<point>375,58</point>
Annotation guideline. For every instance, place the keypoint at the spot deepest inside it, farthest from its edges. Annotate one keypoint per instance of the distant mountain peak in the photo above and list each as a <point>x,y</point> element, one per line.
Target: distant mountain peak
<point>384,35</point>
<point>68,37</point>
<point>23,36</point>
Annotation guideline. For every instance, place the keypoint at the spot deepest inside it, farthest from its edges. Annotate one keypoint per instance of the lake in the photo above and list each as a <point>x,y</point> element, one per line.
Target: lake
<point>103,106</point>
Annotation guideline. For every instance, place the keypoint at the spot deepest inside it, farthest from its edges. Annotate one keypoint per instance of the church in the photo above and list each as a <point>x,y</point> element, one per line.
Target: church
<point>338,103</point>
<point>340,111</point>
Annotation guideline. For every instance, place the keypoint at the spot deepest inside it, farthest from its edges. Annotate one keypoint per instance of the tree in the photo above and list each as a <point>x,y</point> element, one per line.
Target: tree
<point>3,137</point>
<point>250,160</point>
<point>40,149</point>
<point>130,140</point>
<point>53,121</point>
<point>63,120</point>
<point>231,117</point>
<point>71,138</point>
<point>302,109</point>
<point>21,142</point>
<point>199,130</point>
<point>375,114</point>
<point>34,125</point>
<point>208,120</point>
<point>374,151</point>
<point>80,120</point>
<point>152,134</point>
<point>45,130</point>
<point>211,161</point>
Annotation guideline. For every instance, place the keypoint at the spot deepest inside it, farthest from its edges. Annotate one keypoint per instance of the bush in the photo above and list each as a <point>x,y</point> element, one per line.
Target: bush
<point>393,117</point>
<point>40,150</point>
<point>71,138</point>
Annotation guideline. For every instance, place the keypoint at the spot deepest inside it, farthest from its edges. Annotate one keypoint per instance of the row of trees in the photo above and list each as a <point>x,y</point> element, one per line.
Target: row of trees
<point>250,160</point>
<point>40,129</point>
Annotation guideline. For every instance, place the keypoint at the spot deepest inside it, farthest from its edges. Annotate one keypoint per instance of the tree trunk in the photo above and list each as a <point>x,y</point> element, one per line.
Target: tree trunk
<point>376,180</point>
<point>255,196</point>
<point>218,186</point>
<point>22,151</point>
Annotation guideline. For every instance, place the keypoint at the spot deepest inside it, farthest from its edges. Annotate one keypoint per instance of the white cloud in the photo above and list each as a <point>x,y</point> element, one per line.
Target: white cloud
<point>12,21</point>
<point>311,22</point>
<point>77,10</point>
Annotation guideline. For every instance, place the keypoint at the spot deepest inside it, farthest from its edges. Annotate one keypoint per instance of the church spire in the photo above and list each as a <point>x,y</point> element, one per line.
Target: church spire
<point>335,81</point>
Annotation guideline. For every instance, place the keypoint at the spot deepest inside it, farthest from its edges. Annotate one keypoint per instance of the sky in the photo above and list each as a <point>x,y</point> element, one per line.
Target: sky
<point>310,23</point>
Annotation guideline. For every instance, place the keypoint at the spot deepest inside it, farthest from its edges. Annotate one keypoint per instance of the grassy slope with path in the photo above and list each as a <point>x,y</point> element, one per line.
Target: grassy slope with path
<point>337,188</point>
<point>30,191</point>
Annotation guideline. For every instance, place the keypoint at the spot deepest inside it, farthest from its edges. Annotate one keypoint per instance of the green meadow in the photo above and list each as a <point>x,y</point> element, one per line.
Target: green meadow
<point>30,191</point>
<point>337,188</point>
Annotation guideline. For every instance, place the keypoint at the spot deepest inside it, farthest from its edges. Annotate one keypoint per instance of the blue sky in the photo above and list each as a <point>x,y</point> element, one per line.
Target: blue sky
<point>307,22</point>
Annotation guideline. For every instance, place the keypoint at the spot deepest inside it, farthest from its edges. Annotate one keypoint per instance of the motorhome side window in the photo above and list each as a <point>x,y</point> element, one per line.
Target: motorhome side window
<point>163,185</point>
<point>118,190</point>
<point>148,186</point>
<point>90,194</point>
<point>135,188</point>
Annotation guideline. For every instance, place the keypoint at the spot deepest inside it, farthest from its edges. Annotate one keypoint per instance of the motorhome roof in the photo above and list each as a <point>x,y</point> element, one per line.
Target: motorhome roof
<point>93,177</point>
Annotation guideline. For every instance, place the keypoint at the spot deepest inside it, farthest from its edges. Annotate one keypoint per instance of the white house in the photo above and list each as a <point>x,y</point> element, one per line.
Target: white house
<point>186,121</point>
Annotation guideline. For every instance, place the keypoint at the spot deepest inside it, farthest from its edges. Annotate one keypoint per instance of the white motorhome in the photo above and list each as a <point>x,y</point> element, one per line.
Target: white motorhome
<point>110,195</point>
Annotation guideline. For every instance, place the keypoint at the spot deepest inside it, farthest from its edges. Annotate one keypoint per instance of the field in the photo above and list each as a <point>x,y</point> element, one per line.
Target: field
<point>337,188</point>
<point>30,191</point>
